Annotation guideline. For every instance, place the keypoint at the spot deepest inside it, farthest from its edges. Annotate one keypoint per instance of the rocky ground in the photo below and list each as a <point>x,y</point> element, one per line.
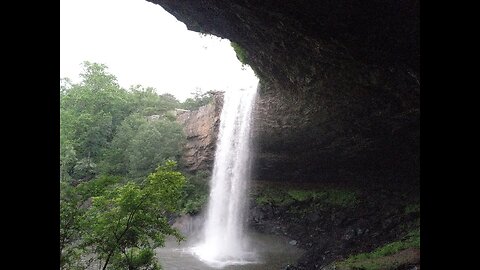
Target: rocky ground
<point>334,222</point>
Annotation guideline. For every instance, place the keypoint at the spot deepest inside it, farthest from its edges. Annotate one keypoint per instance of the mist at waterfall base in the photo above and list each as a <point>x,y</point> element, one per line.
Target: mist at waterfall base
<point>219,237</point>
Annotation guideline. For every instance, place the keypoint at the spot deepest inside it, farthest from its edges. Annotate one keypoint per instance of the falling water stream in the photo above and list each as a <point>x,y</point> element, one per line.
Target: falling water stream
<point>224,241</point>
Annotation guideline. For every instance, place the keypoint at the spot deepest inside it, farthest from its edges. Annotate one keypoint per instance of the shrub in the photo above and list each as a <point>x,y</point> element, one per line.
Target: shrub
<point>241,53</point>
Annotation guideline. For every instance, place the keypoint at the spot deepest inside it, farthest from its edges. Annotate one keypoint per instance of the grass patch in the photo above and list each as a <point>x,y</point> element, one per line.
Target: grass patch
<point>276,197</point>
<point>301,195</point>
<point>376,259</point>
<point>317,198</point>
<point>338,197</point>
<point>412,208</point>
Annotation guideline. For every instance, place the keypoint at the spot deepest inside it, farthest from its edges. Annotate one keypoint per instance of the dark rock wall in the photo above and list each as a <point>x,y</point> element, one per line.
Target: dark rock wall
<point>330,232</point>
<point>340,82</point>
<point>304,137</point>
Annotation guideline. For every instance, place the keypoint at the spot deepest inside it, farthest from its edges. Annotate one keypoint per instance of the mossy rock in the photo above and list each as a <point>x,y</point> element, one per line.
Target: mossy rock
<point>316,198</point>
<point>388,257</point>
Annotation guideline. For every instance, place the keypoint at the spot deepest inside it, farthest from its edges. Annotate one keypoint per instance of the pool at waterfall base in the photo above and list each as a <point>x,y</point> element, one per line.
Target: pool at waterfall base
<point>267,252</point>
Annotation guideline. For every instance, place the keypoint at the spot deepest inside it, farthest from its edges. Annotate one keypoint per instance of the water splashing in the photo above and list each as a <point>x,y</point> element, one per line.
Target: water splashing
<point>225,241</point>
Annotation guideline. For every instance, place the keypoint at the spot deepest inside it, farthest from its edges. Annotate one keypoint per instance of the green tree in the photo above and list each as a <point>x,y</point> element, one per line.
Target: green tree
<point>140,145</point>
<point>116,159</point>
<point>71,215</point>
<point>198,100</point>
<point>126,223</point>
<point>147,102</point>
<point>68,159</point>
<point>84,170</point>
<point>154,143</point>
<point>89,115</point>
<point>97,92</point>
<point>96,78</point>
<point>195,192</point>
<point>107,139</point>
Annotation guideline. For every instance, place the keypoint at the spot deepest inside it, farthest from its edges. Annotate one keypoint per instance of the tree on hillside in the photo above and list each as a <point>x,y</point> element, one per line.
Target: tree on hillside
<point>154,143</point>
<point>115,200</point>
<point>147,102</point>
<point>116,158</point>
<point>70,226</point>
<point>140,145</point>
<point>118,225</point>
<point>199,99</point>
<point>124,224</point>
<point>90,112</point>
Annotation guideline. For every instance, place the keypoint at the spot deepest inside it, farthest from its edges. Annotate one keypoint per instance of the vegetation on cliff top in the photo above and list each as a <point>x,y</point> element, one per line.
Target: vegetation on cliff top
<point>198,100</point>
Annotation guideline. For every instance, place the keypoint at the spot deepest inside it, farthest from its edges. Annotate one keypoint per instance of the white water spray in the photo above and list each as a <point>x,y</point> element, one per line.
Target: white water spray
<point>225,242</point>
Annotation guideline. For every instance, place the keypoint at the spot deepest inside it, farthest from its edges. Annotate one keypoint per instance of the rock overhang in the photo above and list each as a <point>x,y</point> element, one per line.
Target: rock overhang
<point>339,81</point>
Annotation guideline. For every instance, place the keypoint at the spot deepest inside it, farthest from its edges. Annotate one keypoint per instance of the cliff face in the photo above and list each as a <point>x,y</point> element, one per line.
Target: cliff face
<point>201,128</point>
<point>340,82</point>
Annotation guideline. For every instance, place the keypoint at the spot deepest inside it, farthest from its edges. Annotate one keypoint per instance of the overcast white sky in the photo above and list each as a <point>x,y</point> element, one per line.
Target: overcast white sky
<point>143,44</point>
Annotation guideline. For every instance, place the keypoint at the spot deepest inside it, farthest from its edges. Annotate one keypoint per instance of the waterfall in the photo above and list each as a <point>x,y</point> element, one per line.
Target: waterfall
<point>224,240</point>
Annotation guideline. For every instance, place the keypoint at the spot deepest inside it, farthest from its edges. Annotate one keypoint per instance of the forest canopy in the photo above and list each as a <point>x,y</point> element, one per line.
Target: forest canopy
<point>121,178</point>
<point>106,129</point>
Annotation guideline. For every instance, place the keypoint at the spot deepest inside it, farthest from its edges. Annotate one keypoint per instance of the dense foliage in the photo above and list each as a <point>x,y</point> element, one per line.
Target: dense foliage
<point>119,181</point>
<point>117,225</point>
<point>195,193</point>
<point>105,129</point>
<point>104,124</point>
